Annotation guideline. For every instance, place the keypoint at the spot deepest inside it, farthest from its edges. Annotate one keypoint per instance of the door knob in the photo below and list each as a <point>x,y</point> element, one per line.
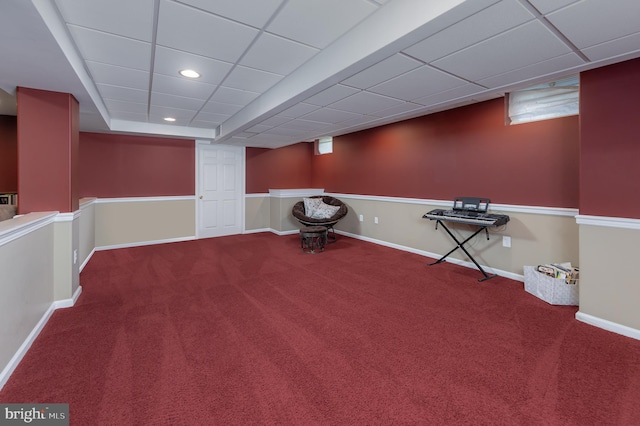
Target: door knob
<point>201,197</point>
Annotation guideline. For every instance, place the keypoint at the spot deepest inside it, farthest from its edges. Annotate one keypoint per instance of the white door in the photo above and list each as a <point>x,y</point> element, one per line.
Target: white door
<point>220,190</point>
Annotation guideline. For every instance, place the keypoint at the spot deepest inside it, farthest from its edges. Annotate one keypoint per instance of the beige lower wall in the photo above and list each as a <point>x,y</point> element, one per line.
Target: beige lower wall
<point>609,280</point>
<point>124,222</point>
<point>535,238</point>
<point>66,271</point>
<point>27,265</point>
<point>281,218</point>
<point>87,230</point>
<point>257,212</point>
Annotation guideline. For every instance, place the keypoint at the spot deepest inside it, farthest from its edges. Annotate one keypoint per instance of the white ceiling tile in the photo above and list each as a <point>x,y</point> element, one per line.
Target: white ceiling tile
<point>299,124</point>
<point>277,55</point>
<point>126,94</point>
<point>382,71</point>
<point>455,93</point>
<point>298,110</point>
<point>159,119</point>
<point>110,49</point>
<point>181,87</point>
<point>319,23</point>
<point>329,115</point>
<point>480,26</point>
<point>203,124</point>
<point>259,128</point>
<point>184,28</point>
<point>211,117</point>
<point>162,111</point>
<point>113,105</point>
<point>251,79</point>
<point>588,23</point>
<point>613,48</point>
<point>227,95</point>
<point>397,109</point>
<point>330,130</point>
<point>251,12</point>
<point>365,103</point>
<point>243,135</point>
<point>546,6</point>
<point>543,68</point>
<point>331,95</point>
<point>221,108</point>
<point>418,83</point>
<point>118,76</point>
<point>275,121</point>
<point>162,99</point>
<point>267,138</point>
<point>170,62</point>
<point>358,121</point>
<point>296,133</point>
<point>108,16</point>
<point>264,140</point>
<point>513,49</point>
<point>128,116</point>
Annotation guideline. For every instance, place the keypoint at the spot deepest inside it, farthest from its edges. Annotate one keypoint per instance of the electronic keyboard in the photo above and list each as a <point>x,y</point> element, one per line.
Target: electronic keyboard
<point>472,211</point>
<point>470,217</point>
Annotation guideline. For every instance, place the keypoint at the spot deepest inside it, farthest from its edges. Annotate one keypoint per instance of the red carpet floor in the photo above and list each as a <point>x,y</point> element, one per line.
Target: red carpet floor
<point>249,330</point>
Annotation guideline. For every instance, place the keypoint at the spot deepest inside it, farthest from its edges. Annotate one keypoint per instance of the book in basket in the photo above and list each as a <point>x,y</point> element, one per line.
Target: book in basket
<point>555,291</point>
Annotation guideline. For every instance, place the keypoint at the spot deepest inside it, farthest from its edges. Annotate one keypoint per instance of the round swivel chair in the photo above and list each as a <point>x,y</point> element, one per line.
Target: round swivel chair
<point>299,213</point>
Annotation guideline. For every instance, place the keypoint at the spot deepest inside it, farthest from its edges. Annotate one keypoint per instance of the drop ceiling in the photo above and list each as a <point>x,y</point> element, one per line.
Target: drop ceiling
<point>278,72</point>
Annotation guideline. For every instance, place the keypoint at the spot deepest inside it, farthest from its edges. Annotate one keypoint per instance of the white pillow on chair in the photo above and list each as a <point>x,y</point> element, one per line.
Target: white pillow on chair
<point>310,205</point>
<point>324,211</point>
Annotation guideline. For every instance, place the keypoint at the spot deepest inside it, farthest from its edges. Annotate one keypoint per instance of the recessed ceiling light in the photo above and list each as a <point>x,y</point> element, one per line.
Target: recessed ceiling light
<point>189,73</point>
<point>169,119</point>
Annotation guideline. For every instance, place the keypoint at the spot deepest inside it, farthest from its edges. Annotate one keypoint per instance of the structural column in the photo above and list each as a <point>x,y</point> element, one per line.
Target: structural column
<point>48,147</point>
<point>48,140</point>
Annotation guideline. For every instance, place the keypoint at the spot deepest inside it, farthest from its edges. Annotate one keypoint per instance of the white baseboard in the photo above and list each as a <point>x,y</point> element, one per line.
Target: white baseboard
<point>67,303</point>
<point>145,243</point>
<point>22,350</point>
<point>471,265</point>
<point>87,259</point>
<point>293,231</point>
<point>608,325</point>
<point>256,231</point>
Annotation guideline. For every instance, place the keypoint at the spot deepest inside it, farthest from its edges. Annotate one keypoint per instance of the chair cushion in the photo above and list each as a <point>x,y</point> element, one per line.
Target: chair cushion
<point>324,211</point>
<point>311,205</point>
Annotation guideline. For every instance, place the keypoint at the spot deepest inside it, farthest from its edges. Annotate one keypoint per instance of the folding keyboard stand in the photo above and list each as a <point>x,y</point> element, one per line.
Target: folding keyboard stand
<point>460,245</point>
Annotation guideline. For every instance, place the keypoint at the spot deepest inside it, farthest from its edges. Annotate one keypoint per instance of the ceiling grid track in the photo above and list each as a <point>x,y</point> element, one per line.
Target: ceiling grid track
<point>552,28</point>
<point>154,36</point>
<point>233,67</point>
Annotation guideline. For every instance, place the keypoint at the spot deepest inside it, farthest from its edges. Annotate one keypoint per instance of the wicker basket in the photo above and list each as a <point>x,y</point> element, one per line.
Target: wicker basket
<point>552,290</point>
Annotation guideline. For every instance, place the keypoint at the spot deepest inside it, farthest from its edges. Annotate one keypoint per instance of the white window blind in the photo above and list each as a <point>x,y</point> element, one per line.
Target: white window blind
<point>542,102</point>
<point>324,145</point>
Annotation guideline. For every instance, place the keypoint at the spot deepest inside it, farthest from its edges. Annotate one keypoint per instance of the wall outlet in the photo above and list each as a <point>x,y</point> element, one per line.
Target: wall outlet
<point>361,218</point>
<point>75,256</point>
<point>506,241</point>
<point>375,219</point>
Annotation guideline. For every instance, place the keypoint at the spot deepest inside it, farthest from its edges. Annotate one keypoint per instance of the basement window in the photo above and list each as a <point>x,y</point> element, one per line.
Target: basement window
<point>324,145</point>
<point>544,101</point>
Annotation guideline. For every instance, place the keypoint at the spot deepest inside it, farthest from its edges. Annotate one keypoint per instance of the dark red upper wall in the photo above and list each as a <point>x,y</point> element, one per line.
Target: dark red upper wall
<point>283,168</point>
<point>8,154</point>
<point>461,152</point>
<point>610,148</point>
<point>114,166</point>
